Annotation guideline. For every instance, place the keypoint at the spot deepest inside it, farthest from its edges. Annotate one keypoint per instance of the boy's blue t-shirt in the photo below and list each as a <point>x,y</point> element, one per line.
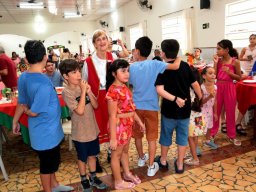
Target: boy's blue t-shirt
<point>36,91</point>
<point>143,75</point>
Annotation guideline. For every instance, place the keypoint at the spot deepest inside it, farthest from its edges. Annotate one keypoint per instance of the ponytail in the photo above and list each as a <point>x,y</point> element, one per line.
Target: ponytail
<point>227,44</point>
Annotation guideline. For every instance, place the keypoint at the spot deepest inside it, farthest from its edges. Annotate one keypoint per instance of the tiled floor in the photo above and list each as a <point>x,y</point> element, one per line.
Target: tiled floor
<point>229,168</point>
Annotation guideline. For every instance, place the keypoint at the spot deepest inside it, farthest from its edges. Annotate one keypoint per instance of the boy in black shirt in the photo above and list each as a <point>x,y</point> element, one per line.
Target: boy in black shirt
<point>173,86</point>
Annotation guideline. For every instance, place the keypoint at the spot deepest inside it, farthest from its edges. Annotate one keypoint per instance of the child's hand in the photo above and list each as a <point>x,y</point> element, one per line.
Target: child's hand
<point>83,85</point>
<point>142,127</point>
<point>212,93</point>
<point>89,90</point>
<point>225,68</point>
<point>16,128</point>
<point>180,102</point>
<point>215,58</point>
<point>113,144</point>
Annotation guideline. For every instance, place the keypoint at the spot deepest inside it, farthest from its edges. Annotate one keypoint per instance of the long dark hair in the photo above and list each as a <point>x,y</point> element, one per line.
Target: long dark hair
<point>227,44</point>
<point>112,68</point>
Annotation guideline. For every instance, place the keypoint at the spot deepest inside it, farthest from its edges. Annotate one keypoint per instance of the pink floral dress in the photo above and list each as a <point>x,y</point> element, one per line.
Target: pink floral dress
<point>122,95</point>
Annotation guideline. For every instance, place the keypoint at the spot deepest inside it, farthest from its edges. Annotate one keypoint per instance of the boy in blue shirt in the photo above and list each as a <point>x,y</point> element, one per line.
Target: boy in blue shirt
<point>38,99</point>
<point>143,74</point>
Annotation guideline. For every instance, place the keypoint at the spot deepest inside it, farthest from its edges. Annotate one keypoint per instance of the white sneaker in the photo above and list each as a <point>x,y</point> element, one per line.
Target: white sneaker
<point>141,162</point>
<point>153,169</point>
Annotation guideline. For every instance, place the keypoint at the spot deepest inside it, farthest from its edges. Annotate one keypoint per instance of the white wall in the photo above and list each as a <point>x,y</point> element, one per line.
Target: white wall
<point>11,43</point>
<point>215,16</point>
<point>131,14</point>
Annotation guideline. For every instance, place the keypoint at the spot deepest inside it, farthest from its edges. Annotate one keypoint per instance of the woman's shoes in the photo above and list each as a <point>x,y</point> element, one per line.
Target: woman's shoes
<point>124,185</point>
<point>133,178</point>
<point>223,127</point>
<point>240,130</point>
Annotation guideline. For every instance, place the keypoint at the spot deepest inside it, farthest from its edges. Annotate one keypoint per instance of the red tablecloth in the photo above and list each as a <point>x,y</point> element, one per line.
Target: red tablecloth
<point>246,95</point>
<point>9,109</point>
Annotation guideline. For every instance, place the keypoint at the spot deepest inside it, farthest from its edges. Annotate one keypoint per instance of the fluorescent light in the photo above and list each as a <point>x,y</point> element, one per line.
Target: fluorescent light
<point>26,5</point>
<point>72,15</point>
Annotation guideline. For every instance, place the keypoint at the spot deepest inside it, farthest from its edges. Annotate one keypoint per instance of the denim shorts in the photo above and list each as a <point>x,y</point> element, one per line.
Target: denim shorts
<point>167,127</point>
<point>86,149</point>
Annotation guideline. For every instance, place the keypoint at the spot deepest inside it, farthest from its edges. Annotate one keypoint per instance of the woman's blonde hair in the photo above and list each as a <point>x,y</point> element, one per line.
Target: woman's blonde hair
<point>98,33</point>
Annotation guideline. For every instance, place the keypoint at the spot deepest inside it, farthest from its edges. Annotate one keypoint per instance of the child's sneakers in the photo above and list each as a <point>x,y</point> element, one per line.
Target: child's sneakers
<point>210,143</point>
<point>86,186</point>
<point>62,188</point>
<point>142,161</point>
<point>153,169</point>
<point>96,182</point>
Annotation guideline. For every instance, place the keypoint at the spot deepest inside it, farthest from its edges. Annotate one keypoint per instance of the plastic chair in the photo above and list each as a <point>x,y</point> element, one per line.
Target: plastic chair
<point>67,131</point>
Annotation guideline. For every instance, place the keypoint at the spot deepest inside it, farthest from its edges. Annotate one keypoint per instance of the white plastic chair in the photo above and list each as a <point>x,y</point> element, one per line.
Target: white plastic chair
<point>67,131</point>
<point>1,160</point>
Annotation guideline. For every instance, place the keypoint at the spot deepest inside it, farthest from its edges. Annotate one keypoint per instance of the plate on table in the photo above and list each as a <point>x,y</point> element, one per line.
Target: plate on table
<point>249,81</point>
<point>59,90</point>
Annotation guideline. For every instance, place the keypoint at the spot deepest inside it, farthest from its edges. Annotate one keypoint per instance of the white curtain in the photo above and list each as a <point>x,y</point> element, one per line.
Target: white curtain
<point>187,31</point>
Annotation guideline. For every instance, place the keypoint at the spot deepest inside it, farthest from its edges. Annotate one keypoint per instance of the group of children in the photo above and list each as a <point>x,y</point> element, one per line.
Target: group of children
<point>130,114</point>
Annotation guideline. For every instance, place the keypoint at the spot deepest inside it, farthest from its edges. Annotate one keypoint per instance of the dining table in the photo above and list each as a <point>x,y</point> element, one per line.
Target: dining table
<point>246,97</point>
<point>7,111</point>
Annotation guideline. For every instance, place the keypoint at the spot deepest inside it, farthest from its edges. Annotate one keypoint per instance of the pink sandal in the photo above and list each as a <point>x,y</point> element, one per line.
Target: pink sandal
<point>133,178</point>
<point>122,185</point>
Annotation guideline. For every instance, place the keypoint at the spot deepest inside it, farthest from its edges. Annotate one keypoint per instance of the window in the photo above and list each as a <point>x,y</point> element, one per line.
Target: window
<point>240,22</point>
<point>178,26</point>
<point>135,33</point>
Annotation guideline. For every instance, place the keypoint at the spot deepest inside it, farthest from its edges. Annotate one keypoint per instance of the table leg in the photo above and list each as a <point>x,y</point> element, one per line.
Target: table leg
<point>254,123</point>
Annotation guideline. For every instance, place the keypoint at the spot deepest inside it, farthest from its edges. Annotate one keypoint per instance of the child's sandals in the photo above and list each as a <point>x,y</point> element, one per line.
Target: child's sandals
<point>224,127</point>
<point>191,161</point>
<point>133,178</point>
<point>124,185</point>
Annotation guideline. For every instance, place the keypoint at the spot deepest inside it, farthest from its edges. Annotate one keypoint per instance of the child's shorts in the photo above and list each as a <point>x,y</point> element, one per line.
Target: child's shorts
<point>167,127</point>
<point>150,119</point>
<point>86,149</point>
<point>49,160</point>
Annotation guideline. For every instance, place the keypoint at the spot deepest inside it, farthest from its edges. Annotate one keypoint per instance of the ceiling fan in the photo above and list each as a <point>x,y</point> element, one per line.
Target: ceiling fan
<point>144,4</point>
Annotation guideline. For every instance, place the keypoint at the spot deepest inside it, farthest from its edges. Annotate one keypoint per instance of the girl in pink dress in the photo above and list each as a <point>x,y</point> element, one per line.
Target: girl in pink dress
<point>227,69</point>
<point>121,110</point>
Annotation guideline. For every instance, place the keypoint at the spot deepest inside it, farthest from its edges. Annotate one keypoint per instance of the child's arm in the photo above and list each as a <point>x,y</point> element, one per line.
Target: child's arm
<point>179,101</point>
<point>197,89</point>
<point>215,109</point>
<point>28,111</point>
<point>112,114</point>
<point>175,65</point>
<point>215,61</point>
<point>211,95</point>
<point>81,104</point>
<point>93,99</point>
<point>237,74</point>
<point>15,122</point>
<point>138,120</point>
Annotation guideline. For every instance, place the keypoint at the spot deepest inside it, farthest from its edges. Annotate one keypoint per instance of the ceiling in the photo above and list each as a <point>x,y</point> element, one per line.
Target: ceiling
<point>91,10</point>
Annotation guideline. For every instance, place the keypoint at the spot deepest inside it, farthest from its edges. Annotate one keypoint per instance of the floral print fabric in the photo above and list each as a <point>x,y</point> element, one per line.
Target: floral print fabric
<point>122,95</point>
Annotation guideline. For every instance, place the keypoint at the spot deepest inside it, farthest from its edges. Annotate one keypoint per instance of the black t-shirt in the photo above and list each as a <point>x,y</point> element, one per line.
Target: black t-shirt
<point>177,82</point>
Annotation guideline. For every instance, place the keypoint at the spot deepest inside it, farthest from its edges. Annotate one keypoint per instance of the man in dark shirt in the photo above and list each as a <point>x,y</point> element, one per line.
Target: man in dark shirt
<point>174,86</point>
<point>7,70</point>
